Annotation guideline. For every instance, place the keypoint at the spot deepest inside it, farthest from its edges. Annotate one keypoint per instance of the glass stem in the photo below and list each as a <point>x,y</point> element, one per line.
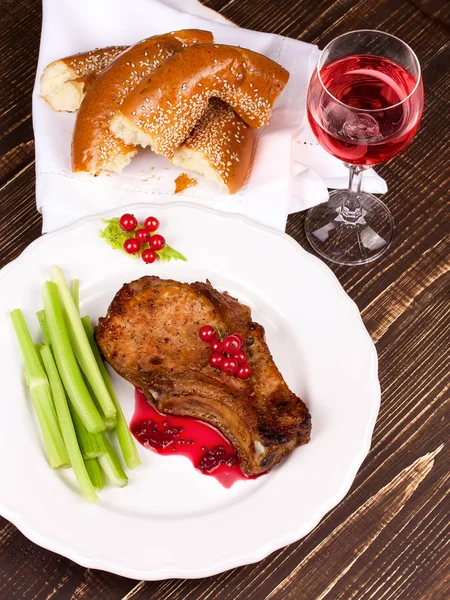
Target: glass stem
<point>351,208</point>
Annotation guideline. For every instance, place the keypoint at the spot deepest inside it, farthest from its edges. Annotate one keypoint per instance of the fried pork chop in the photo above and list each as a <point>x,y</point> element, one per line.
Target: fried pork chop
<point>150,337</point>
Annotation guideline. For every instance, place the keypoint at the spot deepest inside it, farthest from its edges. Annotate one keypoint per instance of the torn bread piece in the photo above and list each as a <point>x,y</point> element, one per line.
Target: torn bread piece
<point>65,82</point>
<point>94,147</point>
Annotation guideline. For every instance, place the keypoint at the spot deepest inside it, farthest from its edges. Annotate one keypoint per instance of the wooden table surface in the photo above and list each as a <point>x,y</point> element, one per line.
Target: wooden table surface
<point>389,538</point>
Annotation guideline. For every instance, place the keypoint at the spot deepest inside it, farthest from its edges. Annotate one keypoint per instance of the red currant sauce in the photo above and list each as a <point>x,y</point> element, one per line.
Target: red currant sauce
<point>208,450</point>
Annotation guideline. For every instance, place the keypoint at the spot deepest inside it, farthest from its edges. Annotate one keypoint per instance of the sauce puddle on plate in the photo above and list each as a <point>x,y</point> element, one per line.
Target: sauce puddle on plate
<point>208,450</point>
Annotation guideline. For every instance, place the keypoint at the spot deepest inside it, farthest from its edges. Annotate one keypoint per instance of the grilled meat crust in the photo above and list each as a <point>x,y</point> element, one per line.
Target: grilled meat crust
<point>150,337</point>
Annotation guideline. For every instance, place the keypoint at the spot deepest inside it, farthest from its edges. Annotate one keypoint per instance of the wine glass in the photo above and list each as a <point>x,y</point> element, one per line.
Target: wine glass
<point>364,105</point>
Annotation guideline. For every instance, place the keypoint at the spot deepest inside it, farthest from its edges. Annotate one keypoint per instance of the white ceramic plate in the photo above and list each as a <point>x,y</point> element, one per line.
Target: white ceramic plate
<point>171,521</point>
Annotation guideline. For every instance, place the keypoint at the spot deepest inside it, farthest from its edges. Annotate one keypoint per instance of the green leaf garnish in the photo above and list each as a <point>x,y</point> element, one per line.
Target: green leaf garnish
<point>169,253</point>
<point>115,236</point>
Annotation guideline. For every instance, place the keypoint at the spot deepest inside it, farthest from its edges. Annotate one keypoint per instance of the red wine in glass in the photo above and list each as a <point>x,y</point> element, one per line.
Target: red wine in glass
<point>364,104</point>
<point>360,111</point>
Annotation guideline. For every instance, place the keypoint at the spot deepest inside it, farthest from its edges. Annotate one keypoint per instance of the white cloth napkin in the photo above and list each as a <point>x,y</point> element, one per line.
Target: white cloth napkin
<point>274,187</point>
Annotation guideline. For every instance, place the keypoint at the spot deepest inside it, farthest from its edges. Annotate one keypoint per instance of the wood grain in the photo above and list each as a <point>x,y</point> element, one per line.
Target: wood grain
<point>389,538</point>
<point>19,45</point>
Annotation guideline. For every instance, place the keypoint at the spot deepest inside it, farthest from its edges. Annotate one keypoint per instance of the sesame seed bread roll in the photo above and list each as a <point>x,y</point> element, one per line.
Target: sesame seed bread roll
<point>165,107</point>
<point>64,82</point>
<point>94,148</point>
<point>220,147</point>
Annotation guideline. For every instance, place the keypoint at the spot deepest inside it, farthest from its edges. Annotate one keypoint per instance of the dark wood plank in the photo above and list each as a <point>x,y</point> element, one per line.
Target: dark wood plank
<point>18,220</point>
<point>19,46</point>
<point>436,9</point>
<point>389,538</point>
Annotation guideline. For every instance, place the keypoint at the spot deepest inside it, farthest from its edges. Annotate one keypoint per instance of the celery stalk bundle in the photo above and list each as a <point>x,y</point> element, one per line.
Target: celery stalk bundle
<point>72,392</point>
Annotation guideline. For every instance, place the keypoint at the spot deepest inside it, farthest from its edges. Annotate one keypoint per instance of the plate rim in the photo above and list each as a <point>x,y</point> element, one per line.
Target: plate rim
<point>172,571</point>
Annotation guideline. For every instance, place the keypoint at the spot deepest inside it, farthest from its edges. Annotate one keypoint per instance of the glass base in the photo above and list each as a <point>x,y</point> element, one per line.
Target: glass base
<point>350,239</point>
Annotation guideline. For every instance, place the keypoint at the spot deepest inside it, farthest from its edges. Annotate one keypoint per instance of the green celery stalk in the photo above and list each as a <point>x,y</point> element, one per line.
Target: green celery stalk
<point>95,474</point>
<point>40,394</point>
<point>90,443</point>
<point>67,364</point>
<point>44,326</point>
<point>127,445</point>
<point>76,294</point>
<point>81,345</point>
<point>67,426</point>
<point>38,351</point>
<point>110,422</point>
<point>110,463</point>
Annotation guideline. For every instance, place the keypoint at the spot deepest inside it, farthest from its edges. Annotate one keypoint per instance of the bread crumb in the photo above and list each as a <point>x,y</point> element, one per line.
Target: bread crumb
<point>183,181</point>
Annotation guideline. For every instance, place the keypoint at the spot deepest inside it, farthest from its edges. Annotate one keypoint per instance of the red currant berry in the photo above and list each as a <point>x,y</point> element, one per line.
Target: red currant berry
<point>207,333</point>
<point>240,338</point>
<point>132,246</point>
<point>151,224</point>
<point>142,235</point>
<point>244,372</point>
<point>216,359</point>
<point>149,256</point>
<point>157,242</point>
<point>231,344</point>
<point>229,366</point>
<point>128,222</point>
<point>216,345</point>
<point>240,356</point>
